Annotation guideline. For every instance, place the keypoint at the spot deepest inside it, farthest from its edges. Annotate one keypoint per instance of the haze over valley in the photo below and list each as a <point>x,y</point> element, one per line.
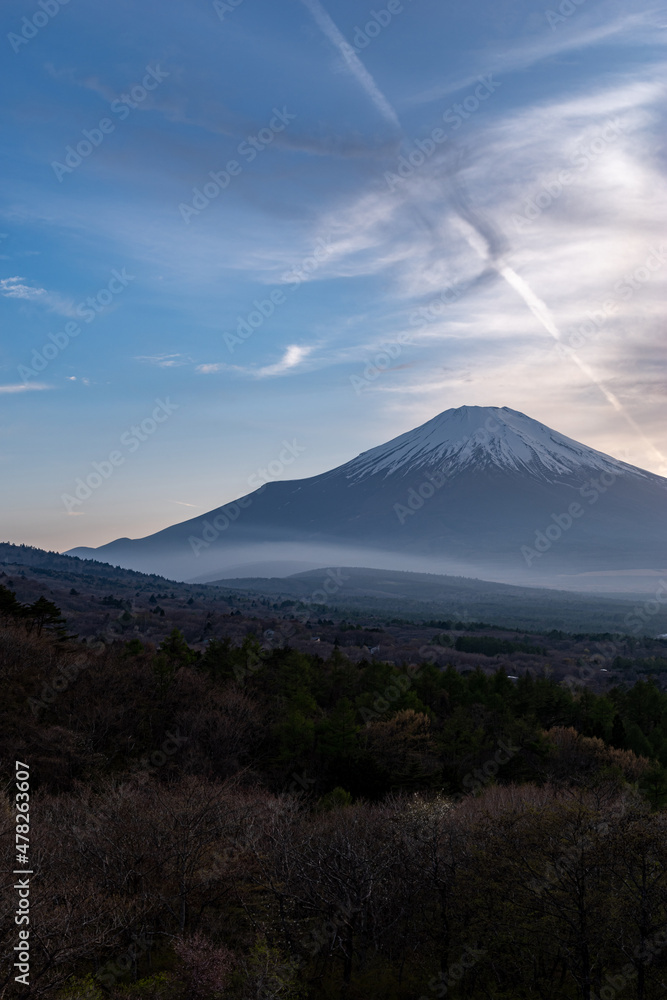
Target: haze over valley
<point>482,492</point>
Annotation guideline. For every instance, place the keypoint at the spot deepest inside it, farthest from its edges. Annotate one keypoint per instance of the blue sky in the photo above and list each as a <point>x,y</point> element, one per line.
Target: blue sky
<point>315,293</point>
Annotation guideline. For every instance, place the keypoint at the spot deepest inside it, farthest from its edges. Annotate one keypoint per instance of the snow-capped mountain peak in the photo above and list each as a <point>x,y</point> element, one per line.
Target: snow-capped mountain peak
<point>483,437</point>
<point>505,498</point>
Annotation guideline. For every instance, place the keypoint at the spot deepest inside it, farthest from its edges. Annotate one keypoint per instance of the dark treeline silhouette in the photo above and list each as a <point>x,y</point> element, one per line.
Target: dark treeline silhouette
<point>41,614</point>
<point>258,822</point>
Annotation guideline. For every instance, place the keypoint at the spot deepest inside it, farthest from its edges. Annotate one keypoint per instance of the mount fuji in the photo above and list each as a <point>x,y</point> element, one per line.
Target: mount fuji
<point>476,491</point>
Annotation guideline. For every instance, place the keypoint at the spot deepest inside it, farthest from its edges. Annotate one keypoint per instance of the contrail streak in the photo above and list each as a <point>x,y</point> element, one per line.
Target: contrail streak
<point>493,240</point>
<point>536,305</point>
<point>354,63</point>
<point>542,312</point>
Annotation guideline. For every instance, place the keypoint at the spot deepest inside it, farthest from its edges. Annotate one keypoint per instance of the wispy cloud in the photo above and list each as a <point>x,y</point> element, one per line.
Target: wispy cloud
<point>24,387</point>
<point>210,369</point>
<point>164,360</point>
<point>13,288</point>
<point>292,357</point>
<point>586,244</point>
<point>583,34</point>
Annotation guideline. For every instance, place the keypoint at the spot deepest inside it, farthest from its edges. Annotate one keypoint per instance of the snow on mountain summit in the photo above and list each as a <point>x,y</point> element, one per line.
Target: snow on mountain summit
<point>505,479</point>
<point>482,437</point>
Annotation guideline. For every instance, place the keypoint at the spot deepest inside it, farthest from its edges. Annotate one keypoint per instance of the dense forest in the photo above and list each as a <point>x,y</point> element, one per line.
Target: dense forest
<point>250,820</point>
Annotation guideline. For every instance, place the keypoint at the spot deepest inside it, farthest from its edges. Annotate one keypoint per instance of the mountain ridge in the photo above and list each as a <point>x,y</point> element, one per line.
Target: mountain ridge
<point>469,493</point>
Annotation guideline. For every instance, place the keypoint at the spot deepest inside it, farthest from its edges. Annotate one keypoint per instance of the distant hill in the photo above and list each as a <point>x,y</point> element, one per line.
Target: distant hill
<point>355,592</point>
<point>425,596</point>
<point>29,556</point>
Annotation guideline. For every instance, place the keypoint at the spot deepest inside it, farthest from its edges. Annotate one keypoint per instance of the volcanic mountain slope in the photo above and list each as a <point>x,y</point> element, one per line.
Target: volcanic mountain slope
<point>482,491</point>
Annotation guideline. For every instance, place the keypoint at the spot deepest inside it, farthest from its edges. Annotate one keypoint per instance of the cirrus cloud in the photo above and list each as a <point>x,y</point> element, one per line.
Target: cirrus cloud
<point>23,387</point>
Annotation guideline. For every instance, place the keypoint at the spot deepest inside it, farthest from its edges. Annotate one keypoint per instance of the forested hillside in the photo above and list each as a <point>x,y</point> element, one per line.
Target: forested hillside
<point>253,820</point>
